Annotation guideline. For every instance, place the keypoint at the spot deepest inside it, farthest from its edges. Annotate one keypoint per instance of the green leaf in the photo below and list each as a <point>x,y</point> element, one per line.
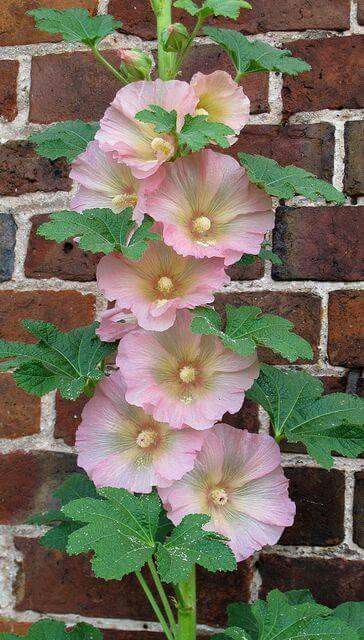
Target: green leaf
<point>56,630</point>
<point>353,614</point>
<point>64,140</point>
<point>227,8</point>
<point>247,328</point>
<point>198,132</point>
<point>189,544</point>
<point>75,25</point>
<point>249,57</point>
<point>120,530</point>
<point>232,633</point>
<point>286,182</point>
<point>299,412</point>
<point>264,254</point>
<point>64,361</point>
<point>100,231</point>
<point>163,121</point>
<point>240,615</point>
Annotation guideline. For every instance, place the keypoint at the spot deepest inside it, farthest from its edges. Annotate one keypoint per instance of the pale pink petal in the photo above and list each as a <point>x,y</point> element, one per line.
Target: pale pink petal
<point>115,323</point>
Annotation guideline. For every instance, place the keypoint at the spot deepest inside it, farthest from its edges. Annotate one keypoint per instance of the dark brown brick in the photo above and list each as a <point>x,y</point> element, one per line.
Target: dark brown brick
<point>19,411</point>
<point>65,260</point>
<point>346,321</point>
<point>361,11</point>
<point>66,309</point>
<point>246,418</point>
<point>354,154</point>
<point>308,146</point>
<point>333,80</point>
<point>27,481</point>
<point>8,89</point>
<point>23,171</point>
<point>16,27</point>
<point>319,498</point>
<point>68,418</point>
<point>250,272</point>
<point>358,511</point>
<point>319,243</point>
<point>69,86</point>
<point>303,309</point>
<point>331,581</point>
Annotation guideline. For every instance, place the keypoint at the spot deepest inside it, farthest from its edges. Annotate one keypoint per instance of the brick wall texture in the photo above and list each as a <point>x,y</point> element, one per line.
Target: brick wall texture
<point>313,121</point>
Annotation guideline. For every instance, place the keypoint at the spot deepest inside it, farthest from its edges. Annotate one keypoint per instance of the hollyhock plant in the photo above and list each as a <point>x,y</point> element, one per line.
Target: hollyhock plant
<point>121,446</point>
<point>116,323</point>
<point>135,143</point>
<point>209,208</point>
<point>238,481</point>
<point>221,99</point>
<point>183,378</point>
<point>159,284</point>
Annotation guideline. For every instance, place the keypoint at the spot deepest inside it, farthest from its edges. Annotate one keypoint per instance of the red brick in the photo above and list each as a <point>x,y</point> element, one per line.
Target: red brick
<point>319,498</point>
<point>331,581</point>
<point>68,417</point>
<point>8,89</point>
<point>319,243</point>
<point>66,309</point>
<point>19,411</point>
<point>23,171</point>
<point>7,625</point>
<point>346,321</point>
<point>68,86</point>
<point>354,154</point>
<point>293,15</point>
<point>72,588</point>
<point>308,146</point>
<point>358,511</point>
<point>16,27</point>
<point>65,260</point>
<point>27,481</point>
<point>302,309</point>
<point>334,79</point>
<point>361,11</point>
<point>253,271</point>
<point>246,418</point>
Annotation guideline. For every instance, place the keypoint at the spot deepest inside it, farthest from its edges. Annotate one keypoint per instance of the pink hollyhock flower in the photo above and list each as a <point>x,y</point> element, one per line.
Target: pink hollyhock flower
<point>238,481</point>
<point>121,446</point>
<point>159,284</point>
<point>138,144</point>
<point>106,183</point>
<point>209,208</point>
<point>116,323</point>
<point>183,378</point>
<point>221,99</point>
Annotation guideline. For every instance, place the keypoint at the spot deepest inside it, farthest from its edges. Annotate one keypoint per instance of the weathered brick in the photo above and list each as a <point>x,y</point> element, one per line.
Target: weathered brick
<point>66,309</point>
<point>72,588</point>
<point>354,154</point>
<point>318,243</point>
<point>333,80</point>
<point>64,260</point>
<point>16,27</point>
<point>7,625</point>
<point>293,15</point>
<point>68,86</point>
<point>19,411</point>
<point>250,272</point>
<point>7,246</point>
<point>209,58</point>
<point>308,146</point>
<point>27,481</point>
<point>346,321</point>
<point>319,498</point>
<point>331,581</point>
<point>302,309</point>
<point>68,417</point>
<point>23,171</point>
<point>8,88</point>
<point>361,11</point>
<point>358,511</point>
<point>246,418</point>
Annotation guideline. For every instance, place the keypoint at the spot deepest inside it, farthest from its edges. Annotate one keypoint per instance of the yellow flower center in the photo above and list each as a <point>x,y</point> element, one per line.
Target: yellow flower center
<point>219,497</point>
<point>201,112</point>
<point>201,225</point>
<point>124,200</point>
<point>160,145</point>
<point>165,285</point>
<point>146,438</point>
<point>187,374</point>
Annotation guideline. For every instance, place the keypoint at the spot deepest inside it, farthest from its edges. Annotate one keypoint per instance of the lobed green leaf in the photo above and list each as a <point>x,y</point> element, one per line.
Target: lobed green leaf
<point>226,8</point>
<point>75,25</point>
<point>56,630</point>
<point>163,121</point>
<point>64,139</point>
<point>198,132</point>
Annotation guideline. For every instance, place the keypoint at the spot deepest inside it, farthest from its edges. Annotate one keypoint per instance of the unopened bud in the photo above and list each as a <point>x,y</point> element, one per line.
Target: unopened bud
<point>175,37</point>
<point>135,64</point>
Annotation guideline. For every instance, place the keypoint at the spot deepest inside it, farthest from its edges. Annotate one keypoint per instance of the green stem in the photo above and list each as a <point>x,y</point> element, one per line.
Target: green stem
<point>106,64</point>
<point>187,608</point>
<point>155,606</point>
<point>194,34</point>
<point>166,61</point>
<point>163,596</point>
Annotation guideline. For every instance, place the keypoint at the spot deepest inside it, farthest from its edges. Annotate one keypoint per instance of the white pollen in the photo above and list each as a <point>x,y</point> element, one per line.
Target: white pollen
<point>202,224</point>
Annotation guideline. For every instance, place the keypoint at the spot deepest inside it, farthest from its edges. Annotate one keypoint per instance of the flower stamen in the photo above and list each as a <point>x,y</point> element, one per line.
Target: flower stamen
<point>201,112</point>
<point>187,374</point>
<point>165,285</point>
<point>201,225</point>
<point>146,438</point>
<point>219,497</point>
<point>162,146</point>
<point>124,200</point>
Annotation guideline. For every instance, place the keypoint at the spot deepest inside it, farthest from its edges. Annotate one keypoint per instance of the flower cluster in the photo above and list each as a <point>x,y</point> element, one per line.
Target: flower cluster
<point>156,421</point>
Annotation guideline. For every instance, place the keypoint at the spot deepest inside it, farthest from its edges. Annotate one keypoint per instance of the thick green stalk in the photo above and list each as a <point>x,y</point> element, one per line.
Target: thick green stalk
<point>166,61</point>
<point>187,608</point>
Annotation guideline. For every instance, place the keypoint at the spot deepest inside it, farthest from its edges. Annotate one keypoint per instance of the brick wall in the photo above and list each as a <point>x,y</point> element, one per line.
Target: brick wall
<point>312,121</point>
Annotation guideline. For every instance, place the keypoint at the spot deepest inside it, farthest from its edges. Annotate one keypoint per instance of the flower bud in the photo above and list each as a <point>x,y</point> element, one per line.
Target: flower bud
<point>135,64</point>
<point>175,37</point>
